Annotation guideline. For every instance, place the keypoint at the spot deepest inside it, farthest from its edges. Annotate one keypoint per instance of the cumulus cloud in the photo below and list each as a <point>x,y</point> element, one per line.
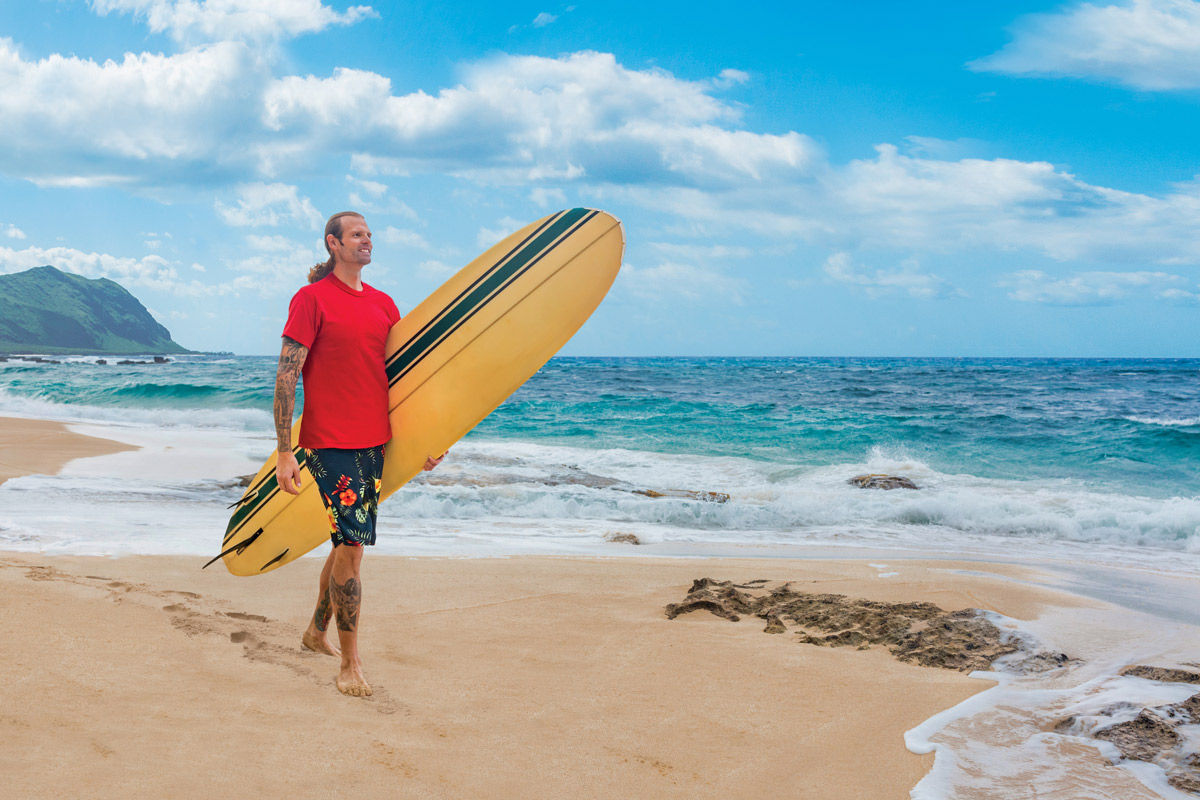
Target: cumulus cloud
<point>520,119</point>
<point>13,232</point>
<point>270,204</point>
<point>879,283</point>
<point>152,271</point>
<point>928,205</point>
<point>543,19</point>
<point>1090,288</point>
<point>69,121</point>
<point>255,20</point>
<point>1145,44</point>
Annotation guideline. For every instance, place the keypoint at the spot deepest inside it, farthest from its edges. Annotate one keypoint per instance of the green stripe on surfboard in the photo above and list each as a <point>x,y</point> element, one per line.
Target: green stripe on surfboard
<point>544,242</point>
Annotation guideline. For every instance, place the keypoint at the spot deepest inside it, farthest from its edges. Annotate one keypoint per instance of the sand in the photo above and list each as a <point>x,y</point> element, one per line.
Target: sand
<point>39,446</point>
<point>525,677</point>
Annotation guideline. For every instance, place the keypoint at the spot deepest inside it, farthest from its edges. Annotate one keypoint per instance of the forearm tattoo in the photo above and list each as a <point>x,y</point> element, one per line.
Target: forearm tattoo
<point>291,360</point>
<point>346,599</point>
<point>324,611</point>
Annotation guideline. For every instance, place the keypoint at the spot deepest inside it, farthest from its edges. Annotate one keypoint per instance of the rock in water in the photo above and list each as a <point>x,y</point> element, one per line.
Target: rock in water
<point>878,481</point>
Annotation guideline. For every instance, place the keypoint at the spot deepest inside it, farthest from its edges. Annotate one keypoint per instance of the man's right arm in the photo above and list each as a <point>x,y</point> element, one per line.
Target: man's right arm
<point>291,361</point>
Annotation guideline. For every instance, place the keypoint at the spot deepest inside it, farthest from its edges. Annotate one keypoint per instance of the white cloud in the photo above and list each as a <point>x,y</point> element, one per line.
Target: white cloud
<point>1089,288</point>
<point>405,238</point>
<point>270,204</point>
<point>689,281</point>
<point>436,269</point>
<point>14,232</point>
<point>253,20</point>
<point>1145,44</point>
<point>69,121</point>
<point>504,227</point>
<point>543,19</point>
<point>923,205</point>
<point>879,283</point>
<point>516,119</point>
<point>546,197</point>
<point>152,271</point>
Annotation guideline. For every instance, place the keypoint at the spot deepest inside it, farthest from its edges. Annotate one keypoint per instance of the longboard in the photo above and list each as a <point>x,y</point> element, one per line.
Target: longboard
<point>450,362</point>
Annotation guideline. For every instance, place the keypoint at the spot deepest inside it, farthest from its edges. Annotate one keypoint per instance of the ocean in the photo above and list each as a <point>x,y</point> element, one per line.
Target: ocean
<point>1061,458</point>
<point>1086,471</point>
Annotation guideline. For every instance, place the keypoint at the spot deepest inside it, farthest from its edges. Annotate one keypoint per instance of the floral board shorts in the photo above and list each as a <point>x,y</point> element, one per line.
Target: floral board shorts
<point>349,483</point>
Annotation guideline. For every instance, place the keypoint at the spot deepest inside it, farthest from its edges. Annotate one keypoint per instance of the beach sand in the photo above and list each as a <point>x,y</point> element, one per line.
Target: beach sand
<point>523,677</point>
<point>501,678</point>
<point>39,446</point>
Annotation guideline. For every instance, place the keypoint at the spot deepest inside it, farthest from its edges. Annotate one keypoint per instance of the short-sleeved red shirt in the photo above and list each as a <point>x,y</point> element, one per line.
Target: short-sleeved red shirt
<point>345,382</point>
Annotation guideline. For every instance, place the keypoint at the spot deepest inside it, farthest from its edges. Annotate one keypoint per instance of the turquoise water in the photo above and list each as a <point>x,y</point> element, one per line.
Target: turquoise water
<point>1115,425</point>
<point>1091,452</point>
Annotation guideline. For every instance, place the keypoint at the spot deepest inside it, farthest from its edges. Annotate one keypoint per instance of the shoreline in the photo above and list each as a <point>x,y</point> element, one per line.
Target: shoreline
<point>43,447</point>
<point>534,676</point>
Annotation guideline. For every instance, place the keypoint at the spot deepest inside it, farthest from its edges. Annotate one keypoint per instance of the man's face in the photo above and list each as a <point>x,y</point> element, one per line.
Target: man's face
<point>355,246</point>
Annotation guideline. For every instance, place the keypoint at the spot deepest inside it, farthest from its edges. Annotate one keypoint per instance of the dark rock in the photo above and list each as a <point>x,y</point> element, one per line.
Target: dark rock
<point>1143,738</point>
<point>243,480</point>
<point>101,361</point>
<point>882,482</point>
<point>622,538</point>
<point>1164,674</point>
<point>160,360</point>
<point>920,633</point>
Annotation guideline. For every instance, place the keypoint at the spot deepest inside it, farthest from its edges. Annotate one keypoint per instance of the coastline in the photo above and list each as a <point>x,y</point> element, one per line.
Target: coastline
<point>43,447</point>
<point>520,677</point>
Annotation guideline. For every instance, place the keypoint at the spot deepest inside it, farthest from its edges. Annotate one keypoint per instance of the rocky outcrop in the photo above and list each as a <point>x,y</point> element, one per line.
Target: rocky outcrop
<point>920,633</point>
<point>878,481</point>
<point>1153,735</point>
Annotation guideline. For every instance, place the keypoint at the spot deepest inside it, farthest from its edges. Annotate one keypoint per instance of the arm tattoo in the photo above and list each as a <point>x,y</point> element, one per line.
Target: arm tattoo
<point>346,599</point>
<point>291,360</point>
<point>324,611</point>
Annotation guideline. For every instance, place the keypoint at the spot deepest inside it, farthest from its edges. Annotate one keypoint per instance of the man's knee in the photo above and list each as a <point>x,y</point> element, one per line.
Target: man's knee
<point>346,558</point>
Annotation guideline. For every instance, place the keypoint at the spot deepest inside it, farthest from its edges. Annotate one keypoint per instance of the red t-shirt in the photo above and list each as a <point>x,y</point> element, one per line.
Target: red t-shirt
<point>345,383</point>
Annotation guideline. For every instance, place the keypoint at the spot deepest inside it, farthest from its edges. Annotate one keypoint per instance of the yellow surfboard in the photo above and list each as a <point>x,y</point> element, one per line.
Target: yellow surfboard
<point>450,362</point>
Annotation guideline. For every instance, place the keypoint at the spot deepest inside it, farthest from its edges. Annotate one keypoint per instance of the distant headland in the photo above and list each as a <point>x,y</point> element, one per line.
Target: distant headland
<point>47,311</point>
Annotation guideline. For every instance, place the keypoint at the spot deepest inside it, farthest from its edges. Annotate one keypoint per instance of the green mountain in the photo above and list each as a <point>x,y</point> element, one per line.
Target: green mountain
<point>46,310</point>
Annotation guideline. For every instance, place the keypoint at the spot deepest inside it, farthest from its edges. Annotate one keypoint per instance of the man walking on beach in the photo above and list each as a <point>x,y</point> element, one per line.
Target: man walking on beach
<point>335,335</point>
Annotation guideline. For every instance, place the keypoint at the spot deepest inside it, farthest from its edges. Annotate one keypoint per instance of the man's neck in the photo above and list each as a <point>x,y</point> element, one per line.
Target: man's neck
<point>349,274</point>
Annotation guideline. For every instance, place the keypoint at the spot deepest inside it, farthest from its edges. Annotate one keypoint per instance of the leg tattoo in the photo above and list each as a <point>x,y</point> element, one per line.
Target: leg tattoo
<point>324,611</point>
<point>346,598</point>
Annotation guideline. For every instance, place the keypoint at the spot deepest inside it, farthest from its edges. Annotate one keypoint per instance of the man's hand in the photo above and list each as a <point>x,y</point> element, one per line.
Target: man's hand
<point>431,462</point>
<point>287,472</point>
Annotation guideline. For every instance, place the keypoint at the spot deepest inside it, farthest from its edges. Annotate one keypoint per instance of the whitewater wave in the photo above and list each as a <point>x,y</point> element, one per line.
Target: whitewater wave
<point>230,419</point>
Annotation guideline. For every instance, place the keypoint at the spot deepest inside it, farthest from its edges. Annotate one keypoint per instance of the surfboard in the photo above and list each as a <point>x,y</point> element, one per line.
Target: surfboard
<point>450,362</point>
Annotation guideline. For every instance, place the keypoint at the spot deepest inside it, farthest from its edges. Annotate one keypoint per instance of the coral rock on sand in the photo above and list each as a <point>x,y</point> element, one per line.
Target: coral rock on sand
<point>921,633</point>
<point>622,538</point>
<point>1153,735</point>
<point>882,482</point>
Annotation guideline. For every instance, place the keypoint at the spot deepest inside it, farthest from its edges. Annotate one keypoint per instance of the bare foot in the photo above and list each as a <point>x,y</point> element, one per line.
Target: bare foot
<point>318,642</point>
<point>351,681</point>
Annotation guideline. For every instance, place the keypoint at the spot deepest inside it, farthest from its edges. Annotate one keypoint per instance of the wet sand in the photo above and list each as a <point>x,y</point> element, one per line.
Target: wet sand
<point>30,446</point>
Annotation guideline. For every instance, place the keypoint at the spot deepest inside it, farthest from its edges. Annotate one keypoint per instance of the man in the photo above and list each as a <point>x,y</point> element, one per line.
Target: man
<point>335,335</point>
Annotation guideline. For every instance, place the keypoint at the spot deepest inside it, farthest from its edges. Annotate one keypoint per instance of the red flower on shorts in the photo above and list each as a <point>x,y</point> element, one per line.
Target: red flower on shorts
<point>342,483</point>
<point>348,497</point>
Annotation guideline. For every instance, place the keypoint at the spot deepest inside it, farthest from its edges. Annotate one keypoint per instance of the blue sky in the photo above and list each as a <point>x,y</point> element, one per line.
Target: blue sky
<point>957,179</point>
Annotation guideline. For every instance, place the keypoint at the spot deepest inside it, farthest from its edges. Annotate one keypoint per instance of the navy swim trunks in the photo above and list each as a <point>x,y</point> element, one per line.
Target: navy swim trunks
<point>349,483</point>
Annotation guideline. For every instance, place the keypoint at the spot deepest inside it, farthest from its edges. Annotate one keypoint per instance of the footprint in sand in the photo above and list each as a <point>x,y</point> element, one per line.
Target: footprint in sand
<point>246,617</point>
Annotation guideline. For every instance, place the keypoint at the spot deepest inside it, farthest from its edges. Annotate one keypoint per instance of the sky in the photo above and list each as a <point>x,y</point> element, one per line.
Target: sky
<point>801,179</point>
